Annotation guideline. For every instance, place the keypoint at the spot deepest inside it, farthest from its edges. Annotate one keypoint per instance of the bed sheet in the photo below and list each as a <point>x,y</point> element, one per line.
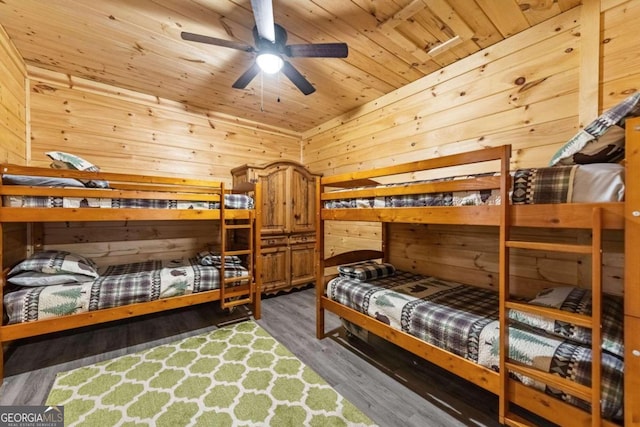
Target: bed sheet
<point>232,201</point>
<point>464,321</point>
<point>117,285</point>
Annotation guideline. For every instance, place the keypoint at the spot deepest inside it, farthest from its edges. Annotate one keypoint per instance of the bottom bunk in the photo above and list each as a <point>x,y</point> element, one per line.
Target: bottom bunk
<point>56,290</point>
<point>36,295</point>
<point>456,326</point>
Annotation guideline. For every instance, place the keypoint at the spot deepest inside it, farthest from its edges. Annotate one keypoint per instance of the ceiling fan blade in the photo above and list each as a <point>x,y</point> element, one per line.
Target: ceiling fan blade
<point>297,79</point>
<point>319,50</point>
<point>215,41</point>
<point>246,77</point>
<point>263,14</point>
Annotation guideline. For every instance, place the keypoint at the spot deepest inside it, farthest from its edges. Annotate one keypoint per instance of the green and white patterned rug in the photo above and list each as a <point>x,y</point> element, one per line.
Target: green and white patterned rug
<point>234,376</point>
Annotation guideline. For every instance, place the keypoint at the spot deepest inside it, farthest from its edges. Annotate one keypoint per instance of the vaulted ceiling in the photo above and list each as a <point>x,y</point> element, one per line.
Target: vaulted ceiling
<point>136,44</point>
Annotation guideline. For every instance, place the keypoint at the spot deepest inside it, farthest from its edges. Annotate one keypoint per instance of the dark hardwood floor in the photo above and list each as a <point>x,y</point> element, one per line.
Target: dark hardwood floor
<point>393,387</point>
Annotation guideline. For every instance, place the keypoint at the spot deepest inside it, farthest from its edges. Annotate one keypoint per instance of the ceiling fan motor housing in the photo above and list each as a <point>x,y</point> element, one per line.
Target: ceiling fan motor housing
<point>278,47</point>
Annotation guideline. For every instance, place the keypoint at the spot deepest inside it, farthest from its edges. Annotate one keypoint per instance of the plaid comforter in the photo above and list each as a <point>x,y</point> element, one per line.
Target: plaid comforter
<point>118,285</point>
<point>232,201</point>
<point>464,321</point>
<point>458,198</point>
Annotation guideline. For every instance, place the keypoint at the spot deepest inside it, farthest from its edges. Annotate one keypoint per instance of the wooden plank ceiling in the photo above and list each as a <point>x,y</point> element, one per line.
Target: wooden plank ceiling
<point>136,44</point>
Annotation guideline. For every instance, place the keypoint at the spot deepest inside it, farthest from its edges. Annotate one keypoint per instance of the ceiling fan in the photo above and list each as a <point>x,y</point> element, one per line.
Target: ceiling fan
<point>271,48</point>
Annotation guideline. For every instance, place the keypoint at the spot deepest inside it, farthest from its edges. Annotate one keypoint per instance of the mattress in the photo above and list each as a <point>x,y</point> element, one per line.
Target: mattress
<point>232,201</point>
<point>593,183</point>
<point>117,285</point>
<point>464,321</point>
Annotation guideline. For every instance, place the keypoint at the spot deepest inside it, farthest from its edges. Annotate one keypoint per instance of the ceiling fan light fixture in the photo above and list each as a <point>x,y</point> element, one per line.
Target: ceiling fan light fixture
<point>269,63</point>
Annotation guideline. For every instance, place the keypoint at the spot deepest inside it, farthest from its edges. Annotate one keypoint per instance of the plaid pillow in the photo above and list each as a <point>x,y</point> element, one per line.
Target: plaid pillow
<point>602,140</point>
<point>211,258</point>
<point>367,270</point>
<point>57,262</point>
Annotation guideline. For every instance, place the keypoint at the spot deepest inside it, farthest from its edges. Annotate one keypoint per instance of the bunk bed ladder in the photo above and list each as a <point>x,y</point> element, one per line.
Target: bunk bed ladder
<point>242,288</point>
<point>591,394</point>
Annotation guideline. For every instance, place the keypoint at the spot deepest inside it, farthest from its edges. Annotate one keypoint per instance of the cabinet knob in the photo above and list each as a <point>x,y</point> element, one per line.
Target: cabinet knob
<point>636,353</point>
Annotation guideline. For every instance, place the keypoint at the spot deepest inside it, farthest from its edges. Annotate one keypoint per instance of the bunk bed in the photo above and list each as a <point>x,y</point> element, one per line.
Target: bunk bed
<point>358,285</point>
<point>31,289</point>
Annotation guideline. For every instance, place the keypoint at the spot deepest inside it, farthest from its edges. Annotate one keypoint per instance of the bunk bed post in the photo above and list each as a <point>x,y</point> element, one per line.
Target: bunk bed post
<point>632,274</point>
<point>257,256</point>
<point>596,318</point>
<point>223,249</point>
<point>385,241</point>
<point>319,267</point>
<point>2,283</point>
<point>503,280</point>
<point>35,237</point>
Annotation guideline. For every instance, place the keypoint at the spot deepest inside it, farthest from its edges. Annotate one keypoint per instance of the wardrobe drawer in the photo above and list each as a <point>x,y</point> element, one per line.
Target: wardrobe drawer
<point>295,239</point>
<point>273,241</point>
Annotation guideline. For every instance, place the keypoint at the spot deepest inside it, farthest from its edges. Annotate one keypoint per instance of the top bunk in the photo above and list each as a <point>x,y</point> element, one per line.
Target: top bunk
<point>422,192</point>
<point>35,194</point>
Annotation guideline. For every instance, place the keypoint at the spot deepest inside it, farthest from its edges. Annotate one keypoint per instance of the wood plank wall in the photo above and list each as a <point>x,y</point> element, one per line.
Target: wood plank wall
<point>524,91</point>
<point>129,132</point>
<point>13,102</point>
<point>13,137</point>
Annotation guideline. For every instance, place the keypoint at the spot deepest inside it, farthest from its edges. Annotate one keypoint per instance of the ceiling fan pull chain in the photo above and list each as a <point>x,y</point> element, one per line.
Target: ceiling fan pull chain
<point>262,92</point>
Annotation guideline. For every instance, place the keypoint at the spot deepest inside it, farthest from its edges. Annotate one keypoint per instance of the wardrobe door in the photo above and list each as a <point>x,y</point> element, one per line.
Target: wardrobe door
<point>275,206</point>
<point>303,201</point>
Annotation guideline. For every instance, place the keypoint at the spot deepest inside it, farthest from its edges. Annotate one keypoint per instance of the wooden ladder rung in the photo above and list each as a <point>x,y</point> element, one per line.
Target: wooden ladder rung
<point>551,247</point>
<point>237,226</point>
<point>236,302</point>
<point>568,386</point>
<point>242,293</point>
<point>553,313</point>
<point>236,279</point>
<point>238,291</point>
<point>237,252</point>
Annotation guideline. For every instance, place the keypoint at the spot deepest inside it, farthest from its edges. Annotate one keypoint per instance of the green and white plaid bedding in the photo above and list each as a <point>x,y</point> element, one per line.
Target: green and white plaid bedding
<point>464,321</point>
<point>118,285</point>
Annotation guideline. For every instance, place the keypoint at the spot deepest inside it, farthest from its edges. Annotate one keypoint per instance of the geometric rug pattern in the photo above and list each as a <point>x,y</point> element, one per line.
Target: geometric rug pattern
<point>237,375</point>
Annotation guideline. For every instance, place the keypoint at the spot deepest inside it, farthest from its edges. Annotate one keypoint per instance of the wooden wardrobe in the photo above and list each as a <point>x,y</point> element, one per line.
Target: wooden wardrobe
<point>288,222</point>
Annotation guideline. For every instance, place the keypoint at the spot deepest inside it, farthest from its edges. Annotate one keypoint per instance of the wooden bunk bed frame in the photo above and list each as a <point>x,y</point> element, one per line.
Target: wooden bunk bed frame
<point>593,216</point>
<point>126,186</point>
